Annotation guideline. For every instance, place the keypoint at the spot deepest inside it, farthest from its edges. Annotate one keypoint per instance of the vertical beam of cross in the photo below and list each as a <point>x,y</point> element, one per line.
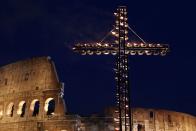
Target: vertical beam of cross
<point>123,120</point>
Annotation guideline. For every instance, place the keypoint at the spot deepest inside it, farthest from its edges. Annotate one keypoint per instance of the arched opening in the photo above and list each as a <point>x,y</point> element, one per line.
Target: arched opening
<point>10,109</point>
<point>34,107</point>
<point>49,106</point>
<point>26,76</point>
<point>140,127</point>
<point>21,108</point>
<point>1,111</point>
<point>151,114</point>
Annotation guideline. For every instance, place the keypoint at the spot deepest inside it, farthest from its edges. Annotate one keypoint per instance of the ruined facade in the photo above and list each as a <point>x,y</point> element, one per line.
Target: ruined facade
<point>31,100</point>
<point>30,97</point>
<point>160,120</point>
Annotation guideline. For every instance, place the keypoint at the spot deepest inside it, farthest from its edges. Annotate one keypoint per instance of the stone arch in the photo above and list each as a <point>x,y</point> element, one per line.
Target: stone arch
<point>49,106</point>
<point>10,109</point>
<point>1,111</point>
<point>21,108</point>
<point>140,127</point>
<point>34,107</point>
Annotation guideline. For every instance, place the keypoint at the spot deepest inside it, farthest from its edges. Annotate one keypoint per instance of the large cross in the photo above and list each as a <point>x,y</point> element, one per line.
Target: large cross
<point>122,48</point>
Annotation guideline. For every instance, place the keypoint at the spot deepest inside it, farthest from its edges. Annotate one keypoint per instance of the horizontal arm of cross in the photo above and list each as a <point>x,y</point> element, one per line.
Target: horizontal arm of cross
<point>132,48</point>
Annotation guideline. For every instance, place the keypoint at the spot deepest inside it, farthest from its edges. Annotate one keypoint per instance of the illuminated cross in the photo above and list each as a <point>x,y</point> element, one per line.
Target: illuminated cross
<point>122,48</point>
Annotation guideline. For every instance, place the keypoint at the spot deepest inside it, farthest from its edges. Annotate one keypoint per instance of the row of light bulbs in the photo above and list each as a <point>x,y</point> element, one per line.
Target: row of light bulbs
<point>132,52</point>
<point>121,26</point>
<point>128,44</point>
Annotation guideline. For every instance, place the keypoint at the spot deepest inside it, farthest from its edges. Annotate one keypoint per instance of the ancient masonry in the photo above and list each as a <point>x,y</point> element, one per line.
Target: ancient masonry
<point>30,97</point>
<point>31,100</point>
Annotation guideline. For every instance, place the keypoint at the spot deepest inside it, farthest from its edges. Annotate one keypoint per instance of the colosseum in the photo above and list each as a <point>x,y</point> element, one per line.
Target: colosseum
<point>31,99</point>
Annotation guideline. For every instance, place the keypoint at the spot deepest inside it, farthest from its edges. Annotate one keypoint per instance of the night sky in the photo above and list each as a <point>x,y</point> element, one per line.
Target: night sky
<point>31,28</point>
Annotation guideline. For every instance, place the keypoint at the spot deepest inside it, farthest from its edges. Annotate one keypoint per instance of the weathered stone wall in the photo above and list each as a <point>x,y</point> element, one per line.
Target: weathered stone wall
<point>28,75</point>
<point>162,120</point>
<point>159,120</point>
<point>27,89</point>
<point>48,124</point>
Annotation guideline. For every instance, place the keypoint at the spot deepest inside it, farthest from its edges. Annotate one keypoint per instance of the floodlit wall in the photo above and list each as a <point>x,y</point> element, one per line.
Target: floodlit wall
<point>30,95</point>
<point>162,120</point>
<point>159,120</point>
<point>29,75</point>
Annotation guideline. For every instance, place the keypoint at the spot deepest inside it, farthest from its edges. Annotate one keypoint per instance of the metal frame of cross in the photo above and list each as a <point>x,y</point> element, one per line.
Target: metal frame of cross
<point>122,48</point>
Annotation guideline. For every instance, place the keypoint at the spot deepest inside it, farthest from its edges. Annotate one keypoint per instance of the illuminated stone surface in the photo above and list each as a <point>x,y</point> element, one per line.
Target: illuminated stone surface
<point>22,85</point>
<point>160,120</point>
